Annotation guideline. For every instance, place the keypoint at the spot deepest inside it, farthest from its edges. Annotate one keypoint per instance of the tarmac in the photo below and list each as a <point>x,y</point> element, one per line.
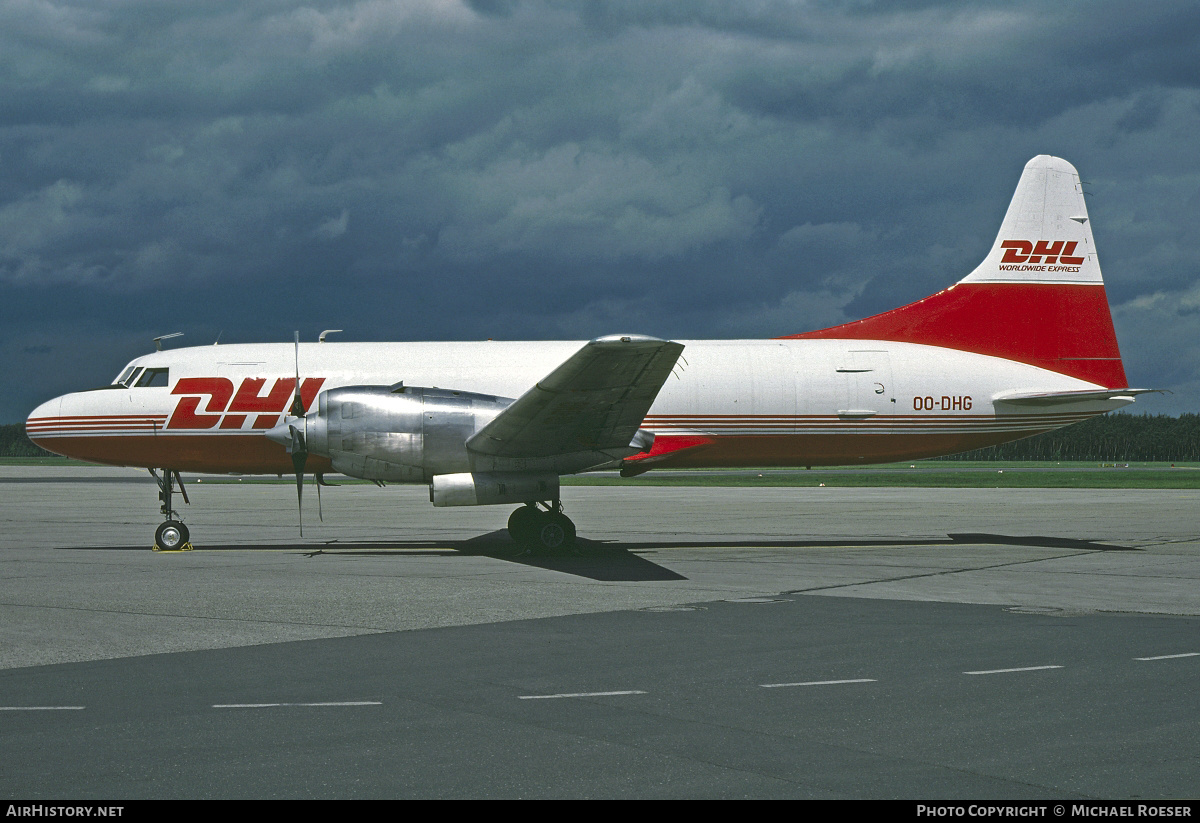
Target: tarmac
<point>699,642</point>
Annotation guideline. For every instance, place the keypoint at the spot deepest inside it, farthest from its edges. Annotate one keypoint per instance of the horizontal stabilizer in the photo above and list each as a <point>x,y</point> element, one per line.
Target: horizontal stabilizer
<point>1058,398</point>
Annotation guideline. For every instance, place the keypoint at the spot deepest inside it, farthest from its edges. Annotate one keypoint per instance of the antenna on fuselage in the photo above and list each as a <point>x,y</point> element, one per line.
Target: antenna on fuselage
<point>321,339</point>
<point>158,340</point>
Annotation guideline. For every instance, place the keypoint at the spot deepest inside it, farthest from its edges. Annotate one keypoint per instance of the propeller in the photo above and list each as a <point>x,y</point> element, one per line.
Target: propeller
<point>298,448</point>
<point>292,434</point>
<point>319,481</point>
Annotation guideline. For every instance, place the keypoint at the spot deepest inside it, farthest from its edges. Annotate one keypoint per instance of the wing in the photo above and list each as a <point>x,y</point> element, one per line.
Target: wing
<point>593,402</point>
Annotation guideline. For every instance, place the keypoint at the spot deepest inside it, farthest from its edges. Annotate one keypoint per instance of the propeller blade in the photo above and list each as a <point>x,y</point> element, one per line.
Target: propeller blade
<point>319,479</point>
<point>299,448</point>
<point>300,499</point>
<point>297,403</point>
<point>299,459</point>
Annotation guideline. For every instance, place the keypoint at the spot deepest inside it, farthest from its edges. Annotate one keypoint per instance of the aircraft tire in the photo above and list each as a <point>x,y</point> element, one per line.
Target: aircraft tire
<point>171,536</point>
<point>523,522</point>
<point>555,532</point>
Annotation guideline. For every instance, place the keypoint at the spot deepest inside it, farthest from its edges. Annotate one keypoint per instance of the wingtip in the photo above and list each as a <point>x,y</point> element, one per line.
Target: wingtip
<point>628,338</point>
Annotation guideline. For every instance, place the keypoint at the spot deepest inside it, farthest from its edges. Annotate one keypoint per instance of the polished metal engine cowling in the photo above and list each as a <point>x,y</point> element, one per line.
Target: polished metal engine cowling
<point>400,434</point>
<point>485,488</point>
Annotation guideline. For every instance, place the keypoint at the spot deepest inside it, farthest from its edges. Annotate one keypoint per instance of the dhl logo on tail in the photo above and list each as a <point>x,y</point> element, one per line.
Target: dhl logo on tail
<point>1023,251</point>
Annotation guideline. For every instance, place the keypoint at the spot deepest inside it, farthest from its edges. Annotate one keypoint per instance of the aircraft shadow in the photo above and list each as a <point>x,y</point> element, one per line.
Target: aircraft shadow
<point>591,559</point>
<point>607,561</point>
<point>1040,542</point>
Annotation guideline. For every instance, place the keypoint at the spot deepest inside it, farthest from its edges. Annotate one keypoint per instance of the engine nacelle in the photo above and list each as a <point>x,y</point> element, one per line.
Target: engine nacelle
<point>402,435</point>
<point>485,488</point>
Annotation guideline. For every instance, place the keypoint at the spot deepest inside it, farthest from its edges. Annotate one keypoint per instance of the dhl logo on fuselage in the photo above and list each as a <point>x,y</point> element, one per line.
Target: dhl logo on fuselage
<point>1044,251</point>
<point>226,409</point>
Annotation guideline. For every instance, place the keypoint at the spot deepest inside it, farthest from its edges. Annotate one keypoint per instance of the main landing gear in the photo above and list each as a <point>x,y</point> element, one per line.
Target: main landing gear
<point>550,529</point>
<point>172,535</point>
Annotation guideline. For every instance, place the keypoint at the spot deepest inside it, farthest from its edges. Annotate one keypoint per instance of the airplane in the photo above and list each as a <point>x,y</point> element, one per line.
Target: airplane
<point>1022,345</point>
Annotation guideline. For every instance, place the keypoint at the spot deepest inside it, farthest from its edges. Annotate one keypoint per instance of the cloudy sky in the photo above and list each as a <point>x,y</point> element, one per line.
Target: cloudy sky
<point>444,169</point>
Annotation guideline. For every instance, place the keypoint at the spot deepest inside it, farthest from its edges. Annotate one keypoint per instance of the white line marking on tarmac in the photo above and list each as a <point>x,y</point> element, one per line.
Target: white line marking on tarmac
<point>1170,656</point>
<point>577,694</point>
<point>1025,669</point>
<point>275,705</point>
<point>816,683</point>
<point>41,708</point>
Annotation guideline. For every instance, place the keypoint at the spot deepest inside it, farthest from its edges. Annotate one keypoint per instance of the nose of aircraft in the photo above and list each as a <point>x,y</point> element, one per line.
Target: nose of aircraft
<point>42,422</point>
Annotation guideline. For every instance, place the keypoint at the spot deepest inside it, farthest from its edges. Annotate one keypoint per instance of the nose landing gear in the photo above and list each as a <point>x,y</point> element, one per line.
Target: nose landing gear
<point>549,530</point>
<point>172,535</point>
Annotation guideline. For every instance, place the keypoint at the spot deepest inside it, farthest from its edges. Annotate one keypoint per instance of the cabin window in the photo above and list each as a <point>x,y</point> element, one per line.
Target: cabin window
<point>153,377</point>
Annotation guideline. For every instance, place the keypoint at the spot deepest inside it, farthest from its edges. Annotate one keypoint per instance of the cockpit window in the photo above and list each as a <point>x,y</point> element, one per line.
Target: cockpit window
<point>123,380</point>
<point>153,377</point>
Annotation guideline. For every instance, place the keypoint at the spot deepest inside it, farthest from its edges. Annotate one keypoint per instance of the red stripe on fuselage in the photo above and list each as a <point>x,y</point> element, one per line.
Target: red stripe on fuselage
<point>212,453</point>
<point>834,449</point>
<point>254,454</point>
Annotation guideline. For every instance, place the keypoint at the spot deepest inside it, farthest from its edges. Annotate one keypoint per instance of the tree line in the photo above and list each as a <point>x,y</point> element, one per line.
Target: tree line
<point>14,443</point>
<point>1110,437</point>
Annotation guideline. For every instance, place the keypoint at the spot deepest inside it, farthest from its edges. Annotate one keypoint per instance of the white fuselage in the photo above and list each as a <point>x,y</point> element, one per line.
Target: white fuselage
<point>752,402</point>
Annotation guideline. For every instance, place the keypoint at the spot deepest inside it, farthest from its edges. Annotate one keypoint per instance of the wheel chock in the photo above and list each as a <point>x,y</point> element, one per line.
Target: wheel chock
<point>186,547</point>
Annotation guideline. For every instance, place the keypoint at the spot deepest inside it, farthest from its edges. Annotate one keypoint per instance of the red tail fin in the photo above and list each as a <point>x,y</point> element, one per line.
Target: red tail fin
<point>1038,297</point>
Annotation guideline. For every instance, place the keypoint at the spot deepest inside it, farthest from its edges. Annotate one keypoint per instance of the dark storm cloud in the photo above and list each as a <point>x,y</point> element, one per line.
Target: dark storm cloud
<point>440,169</point>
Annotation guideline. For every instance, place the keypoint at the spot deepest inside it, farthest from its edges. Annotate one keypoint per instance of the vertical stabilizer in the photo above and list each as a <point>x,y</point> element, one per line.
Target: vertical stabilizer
<point>1038,297</point>
<point>1046,236</point>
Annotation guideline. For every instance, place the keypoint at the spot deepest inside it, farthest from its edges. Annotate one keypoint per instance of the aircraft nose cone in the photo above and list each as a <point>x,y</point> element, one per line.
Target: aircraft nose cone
<point>43,421</point>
